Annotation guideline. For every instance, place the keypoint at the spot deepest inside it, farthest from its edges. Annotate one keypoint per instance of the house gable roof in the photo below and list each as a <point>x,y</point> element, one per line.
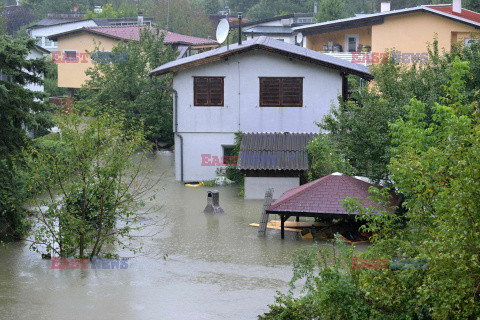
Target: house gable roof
<point>269,45</point>
<point>324,196</point>
<point>467,17</point>
<point>274,151</point>
<point>133,33</point>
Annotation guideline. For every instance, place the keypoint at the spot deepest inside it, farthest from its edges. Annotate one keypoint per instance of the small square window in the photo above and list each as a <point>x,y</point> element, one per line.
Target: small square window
<point>48,42</point>
<point>208,91</point>
<point>229,156</point>
<point>70,55</point>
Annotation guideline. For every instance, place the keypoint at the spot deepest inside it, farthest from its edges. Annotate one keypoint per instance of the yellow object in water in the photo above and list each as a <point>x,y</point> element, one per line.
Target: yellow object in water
<point>194,185</point>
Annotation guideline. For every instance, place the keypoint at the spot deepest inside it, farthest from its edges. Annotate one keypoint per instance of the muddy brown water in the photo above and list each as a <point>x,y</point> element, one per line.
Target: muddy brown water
<point>216,268</point>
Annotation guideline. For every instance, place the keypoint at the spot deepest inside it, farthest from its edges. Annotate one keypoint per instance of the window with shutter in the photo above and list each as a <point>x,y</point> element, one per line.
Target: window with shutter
<point>208,91</point>
<point>281,92</point>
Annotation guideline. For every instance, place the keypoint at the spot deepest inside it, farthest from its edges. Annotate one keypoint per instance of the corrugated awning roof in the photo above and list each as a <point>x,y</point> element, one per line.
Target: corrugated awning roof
<point>269,45</point>
<point>324,196</point>
<point>274,151</point>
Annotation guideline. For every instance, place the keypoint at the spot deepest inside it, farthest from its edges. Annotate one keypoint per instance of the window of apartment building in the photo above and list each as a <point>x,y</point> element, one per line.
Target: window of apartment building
<point>305,20</point>
<point>469,41</point>
<point>48,43</point>
<point>70,55</point>
<point>208,91</point>
<point>229,156</point>
<point>281,92</point>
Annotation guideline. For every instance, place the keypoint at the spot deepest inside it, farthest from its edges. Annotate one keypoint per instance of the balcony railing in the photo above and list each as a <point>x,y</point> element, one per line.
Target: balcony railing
<point>363,58</point>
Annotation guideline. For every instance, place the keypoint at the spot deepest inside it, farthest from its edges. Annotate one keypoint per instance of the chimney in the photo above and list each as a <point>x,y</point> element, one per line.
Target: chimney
<point>457,6</point>
<point>384,6</point>
<point>315,8</point>
<point>140,18</point>
<point>240,28</point>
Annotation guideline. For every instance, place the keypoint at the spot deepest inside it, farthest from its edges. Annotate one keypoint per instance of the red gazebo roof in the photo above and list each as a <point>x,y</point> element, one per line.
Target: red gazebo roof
<point>323,197</point>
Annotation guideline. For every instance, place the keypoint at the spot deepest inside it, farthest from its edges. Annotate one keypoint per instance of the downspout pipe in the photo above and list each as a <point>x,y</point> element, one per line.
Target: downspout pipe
<point>175,104</point>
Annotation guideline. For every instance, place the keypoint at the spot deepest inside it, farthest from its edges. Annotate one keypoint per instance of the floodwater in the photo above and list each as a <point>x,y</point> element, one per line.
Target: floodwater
<point>216,268</point>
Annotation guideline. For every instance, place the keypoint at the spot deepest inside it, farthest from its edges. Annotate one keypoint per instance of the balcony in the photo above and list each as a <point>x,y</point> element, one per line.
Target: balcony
<point>363,58</point>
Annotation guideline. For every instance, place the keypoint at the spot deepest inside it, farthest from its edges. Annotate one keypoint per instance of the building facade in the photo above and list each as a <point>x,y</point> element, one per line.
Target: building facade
<point>262,85</point>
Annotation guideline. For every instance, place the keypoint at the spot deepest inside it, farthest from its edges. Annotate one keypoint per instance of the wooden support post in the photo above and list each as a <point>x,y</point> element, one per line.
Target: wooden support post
<point>297,219</point>
<point>283,218</point>
<point>262,227</point>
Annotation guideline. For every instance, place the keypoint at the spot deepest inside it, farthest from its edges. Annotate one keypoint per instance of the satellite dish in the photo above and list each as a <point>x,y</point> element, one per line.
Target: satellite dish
<point>299,37</point>
<point>222,30</point>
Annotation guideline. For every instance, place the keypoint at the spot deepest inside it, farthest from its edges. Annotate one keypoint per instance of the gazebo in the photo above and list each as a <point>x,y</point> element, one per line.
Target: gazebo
<point>323,198</point>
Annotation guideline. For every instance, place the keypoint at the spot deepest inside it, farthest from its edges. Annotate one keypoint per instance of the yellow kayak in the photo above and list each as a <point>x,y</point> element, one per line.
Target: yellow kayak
<point>194,185</point>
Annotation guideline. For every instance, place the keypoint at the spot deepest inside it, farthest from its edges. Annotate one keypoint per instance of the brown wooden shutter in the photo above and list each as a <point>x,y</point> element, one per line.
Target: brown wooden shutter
<point>292,92</point>
<point>201,91</point>
<point>270,91</point>
<point>208,91</point>
<point>279,92</point>
<point>216,92</point>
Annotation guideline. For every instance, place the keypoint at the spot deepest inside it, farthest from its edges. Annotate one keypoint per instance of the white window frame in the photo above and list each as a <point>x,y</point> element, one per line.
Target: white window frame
<point>467,41</point>
<point>76,55</point>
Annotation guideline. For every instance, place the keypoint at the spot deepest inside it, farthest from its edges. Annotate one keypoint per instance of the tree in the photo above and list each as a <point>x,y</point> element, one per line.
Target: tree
<point>325,158</point>
<point>211,6</point>
<point>109,12</point>
<point>436,166</point>
<point>120,79</point>
<point>95,185</point>
<point>360,126</point>
<point>182,17</point>
<point>331,10</point>
<point>22,110</point>
<point>429,247</point>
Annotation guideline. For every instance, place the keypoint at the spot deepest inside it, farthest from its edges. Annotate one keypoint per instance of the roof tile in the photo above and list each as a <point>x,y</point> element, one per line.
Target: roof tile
<point>325,195</point>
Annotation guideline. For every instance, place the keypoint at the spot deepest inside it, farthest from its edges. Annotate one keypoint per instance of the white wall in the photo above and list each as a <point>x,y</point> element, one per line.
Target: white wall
<point>205,128</point>
<point>255,187</point>
<point>44,32</point>
<point>34,54</point>
<point>285,38</point>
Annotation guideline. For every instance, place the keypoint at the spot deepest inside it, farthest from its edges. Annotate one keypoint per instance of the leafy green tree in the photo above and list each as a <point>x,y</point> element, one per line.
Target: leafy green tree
<point>22,111</point>
<point>182,17</point>
<point>96,186</point>
<point>325,158</point>
<point>331,10</point>
<point>109,12</point>
<point>436,166</point>
<point>51,87</point>
<point>360,126</point>
<point>112,84</point>
<point>431,245</point>
<point>211,6</point>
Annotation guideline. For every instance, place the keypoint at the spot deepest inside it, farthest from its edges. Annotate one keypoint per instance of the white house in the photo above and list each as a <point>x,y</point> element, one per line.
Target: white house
<point>280,28</point>
<point>36,53</point>
<point>262,85</point>
<point>57,23</point>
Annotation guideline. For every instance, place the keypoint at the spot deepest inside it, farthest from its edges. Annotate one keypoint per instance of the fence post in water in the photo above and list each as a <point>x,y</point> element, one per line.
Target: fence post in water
<point>262,227</point>
<point>213,202</point>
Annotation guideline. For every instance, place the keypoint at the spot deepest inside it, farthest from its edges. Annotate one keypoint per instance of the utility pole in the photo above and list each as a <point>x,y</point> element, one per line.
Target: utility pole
<point>168,13</point>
